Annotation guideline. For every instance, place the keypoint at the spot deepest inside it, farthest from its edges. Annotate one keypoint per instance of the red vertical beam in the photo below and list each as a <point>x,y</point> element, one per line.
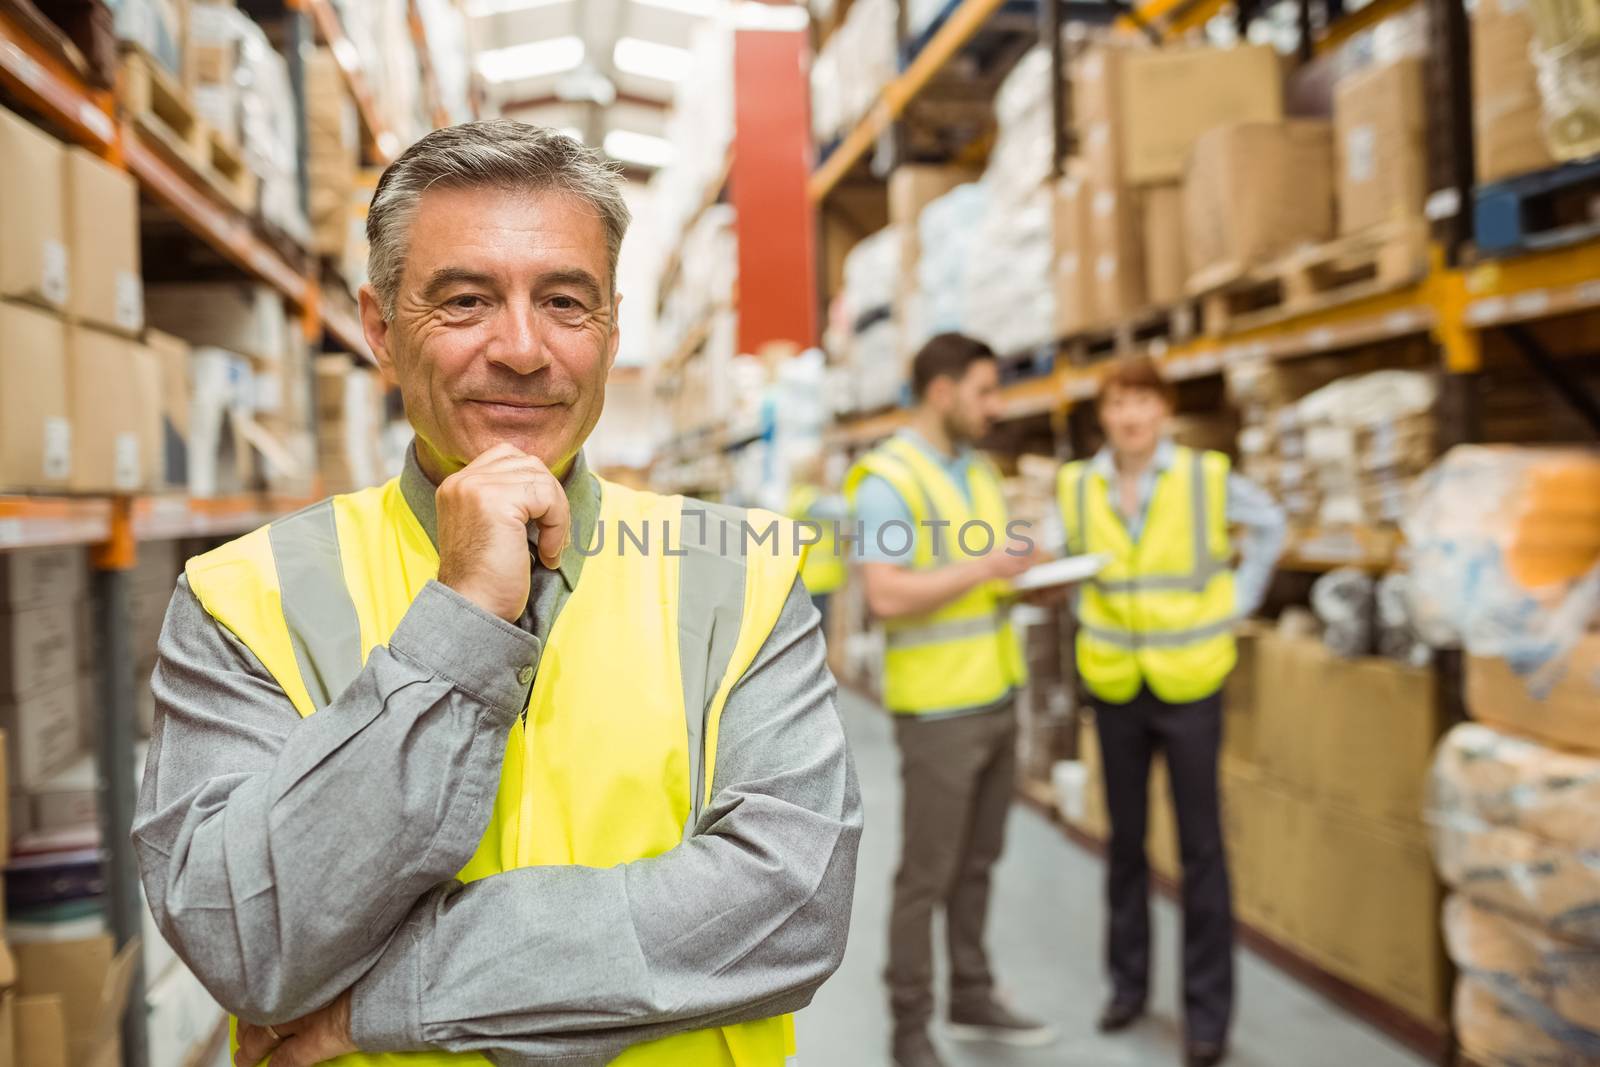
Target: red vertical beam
<point>771,153</point>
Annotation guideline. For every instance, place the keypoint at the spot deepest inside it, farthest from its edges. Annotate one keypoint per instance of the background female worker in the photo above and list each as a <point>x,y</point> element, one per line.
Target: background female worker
<point>1155,645</point>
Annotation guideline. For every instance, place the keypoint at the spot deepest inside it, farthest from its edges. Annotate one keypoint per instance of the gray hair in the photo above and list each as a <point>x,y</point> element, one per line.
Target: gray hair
<point>494,152</point>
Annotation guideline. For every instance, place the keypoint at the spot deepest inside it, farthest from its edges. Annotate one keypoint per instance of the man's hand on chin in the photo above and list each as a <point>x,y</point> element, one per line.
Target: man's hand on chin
<point>312,1039</point>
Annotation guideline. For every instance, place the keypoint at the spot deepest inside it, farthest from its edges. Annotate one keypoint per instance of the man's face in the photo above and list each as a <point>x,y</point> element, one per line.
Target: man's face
<point>971,404</point>
<point>1134,419</point>
<point>504,326</point>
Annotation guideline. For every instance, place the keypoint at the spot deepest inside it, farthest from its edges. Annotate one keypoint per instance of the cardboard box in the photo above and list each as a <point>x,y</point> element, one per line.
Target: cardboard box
<point>1161,228</point>
<point>8,1029</point>
<point>5,804</point>
<point>66,799</point>
<point>33,576</point>
<point>89,982</point>
<point>33,242</point>
<point>1169,97</point>
<point>38,647</point>
<point>1380,129</point>
<point>1074,281</point>
<point>1254,191</point>
<point>1375,725</point>
<point>333,135</point>
<point>41,1029</point>
<point>1507,116</point>
<point>1373,915</point>
<point>1118,250</point>
<point>35,422</point>
<point>172,353</point>
<point>1564,715</point>
<point>43,734</point>
<point>1239,696</point>
<point>1278,824</point>
<point>102,212</point>
<point>913,186</point>
<point>115,438</point>
<point>245,318</point>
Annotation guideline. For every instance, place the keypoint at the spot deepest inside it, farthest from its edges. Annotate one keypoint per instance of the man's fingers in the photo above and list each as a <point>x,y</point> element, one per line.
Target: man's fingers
<point>547,508</point>
<point>254,1044</point>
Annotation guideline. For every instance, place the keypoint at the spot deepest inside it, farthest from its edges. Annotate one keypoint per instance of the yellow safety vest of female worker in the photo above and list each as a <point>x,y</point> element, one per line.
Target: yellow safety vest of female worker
<point>1162,612</point>
<point>822,569</point>
<point>964,654</point>
<point>564,799</point>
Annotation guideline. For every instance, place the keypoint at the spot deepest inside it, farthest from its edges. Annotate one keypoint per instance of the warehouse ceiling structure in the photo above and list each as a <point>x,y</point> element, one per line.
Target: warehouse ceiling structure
<point>604,70</point>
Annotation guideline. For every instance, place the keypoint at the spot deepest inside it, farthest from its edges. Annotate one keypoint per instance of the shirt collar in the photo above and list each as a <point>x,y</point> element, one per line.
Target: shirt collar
<point>583,500</point>
<point>911,434</point>
<point>1105,465</point>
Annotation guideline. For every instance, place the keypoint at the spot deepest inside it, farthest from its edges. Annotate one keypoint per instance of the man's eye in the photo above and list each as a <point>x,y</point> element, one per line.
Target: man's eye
<point>466,302</point>
<point>565,303</point>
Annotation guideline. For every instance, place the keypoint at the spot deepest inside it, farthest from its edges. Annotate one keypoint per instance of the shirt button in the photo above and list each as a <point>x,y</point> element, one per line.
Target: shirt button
<point>525,675</point>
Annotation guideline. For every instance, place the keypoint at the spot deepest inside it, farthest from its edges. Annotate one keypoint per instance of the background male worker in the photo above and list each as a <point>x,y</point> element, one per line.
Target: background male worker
<point>951,668</point>
<point>1155,644</point>
<point>429,777</point>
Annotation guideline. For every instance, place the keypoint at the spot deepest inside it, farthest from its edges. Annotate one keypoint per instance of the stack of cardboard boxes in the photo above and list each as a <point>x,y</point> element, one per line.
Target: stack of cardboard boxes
<point>1322,772</point>
<point>1137,116</point>
<point>333,134</point>
<point>350,418</point>
<point>79,395</point>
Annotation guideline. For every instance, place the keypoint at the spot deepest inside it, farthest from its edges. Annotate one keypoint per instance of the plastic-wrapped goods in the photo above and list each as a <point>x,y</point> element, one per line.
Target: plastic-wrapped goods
<point>1008,291</point>
<point>1567,55</point>
<point>1020,160</point>
<point>1504,552</point>
<point>1524,998</point>
<point>1367,437</point>
<point>879,375</point>
<point>153,25</point>
<point>946,232</point>
<point>1343,601</point>
<point>1398,638</point>
<point>1517,825</point>
<point>871,270</point>
<point>446,30</point>
<point>857,61</point>
<point>699,128</point>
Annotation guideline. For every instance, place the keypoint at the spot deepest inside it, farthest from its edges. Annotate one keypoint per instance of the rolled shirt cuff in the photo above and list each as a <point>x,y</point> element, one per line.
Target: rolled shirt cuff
<point>480,653</point>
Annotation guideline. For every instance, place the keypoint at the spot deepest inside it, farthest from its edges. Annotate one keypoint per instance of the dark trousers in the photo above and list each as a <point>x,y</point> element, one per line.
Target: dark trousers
<point>958,776</point>
<point>1191,737</point>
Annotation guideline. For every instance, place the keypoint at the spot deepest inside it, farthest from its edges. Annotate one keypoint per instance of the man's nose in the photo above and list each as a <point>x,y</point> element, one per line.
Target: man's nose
<point>519,344</point>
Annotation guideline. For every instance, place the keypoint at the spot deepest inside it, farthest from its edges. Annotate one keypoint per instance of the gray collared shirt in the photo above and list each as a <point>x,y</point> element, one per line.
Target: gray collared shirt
<point>289,859</point>
<point>1250,507</point>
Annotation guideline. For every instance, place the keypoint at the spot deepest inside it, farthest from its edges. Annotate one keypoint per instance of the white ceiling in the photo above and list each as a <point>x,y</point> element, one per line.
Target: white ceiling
<point>639,104</point>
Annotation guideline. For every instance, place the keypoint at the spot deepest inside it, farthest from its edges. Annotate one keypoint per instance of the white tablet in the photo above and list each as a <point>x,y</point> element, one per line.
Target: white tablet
<point>1063,571</point>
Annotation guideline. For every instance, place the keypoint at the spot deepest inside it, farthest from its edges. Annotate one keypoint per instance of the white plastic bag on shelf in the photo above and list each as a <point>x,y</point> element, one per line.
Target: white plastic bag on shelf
<point>1397,635</point>
<point>1503,548</point>
<point>1516,824</point>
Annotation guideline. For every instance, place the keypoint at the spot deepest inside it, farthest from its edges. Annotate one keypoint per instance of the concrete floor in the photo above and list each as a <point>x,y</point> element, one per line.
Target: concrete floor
<point>1045,938</point>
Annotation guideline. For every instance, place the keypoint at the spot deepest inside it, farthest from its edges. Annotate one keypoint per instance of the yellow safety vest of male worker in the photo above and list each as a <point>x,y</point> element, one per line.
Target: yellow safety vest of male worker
<point>1162,612</point>
<point>564,799</point>
<point>964,654</point>
<point>822,569</point>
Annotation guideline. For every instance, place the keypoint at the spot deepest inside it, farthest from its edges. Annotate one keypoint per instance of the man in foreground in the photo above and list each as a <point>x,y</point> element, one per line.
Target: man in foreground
<point>1155,645</point>
<point>443,767</point>
<point>937,556</point>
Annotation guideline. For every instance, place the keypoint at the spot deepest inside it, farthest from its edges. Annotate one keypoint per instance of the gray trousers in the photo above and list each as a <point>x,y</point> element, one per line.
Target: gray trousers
<point>958,775</point>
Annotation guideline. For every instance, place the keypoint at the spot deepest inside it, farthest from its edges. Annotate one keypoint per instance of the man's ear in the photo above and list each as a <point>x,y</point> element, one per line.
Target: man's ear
<point>376,330</point>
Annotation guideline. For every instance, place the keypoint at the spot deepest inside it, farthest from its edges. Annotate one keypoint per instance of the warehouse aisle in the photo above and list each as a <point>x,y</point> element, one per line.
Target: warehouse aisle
<point>1044,936</point>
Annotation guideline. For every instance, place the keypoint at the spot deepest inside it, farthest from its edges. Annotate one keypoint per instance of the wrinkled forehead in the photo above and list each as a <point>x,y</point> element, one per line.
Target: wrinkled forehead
<point>506,230</point>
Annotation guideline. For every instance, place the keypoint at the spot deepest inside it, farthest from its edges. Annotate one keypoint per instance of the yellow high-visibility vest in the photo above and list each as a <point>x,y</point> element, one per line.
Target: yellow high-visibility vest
<point>822,568</point>
<point>658,725</point>
<point>1162,613</point>
<point>965,654</point>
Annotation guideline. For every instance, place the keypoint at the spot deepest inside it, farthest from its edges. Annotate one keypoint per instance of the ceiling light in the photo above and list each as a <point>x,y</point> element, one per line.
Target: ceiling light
<point>532,60</point>
<point>485,8</point>
<point>641,148</point>
<point>754,16</point>
<point>651,59</point>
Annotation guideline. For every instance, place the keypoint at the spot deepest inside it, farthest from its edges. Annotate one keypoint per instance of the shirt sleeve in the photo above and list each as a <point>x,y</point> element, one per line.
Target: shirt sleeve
<point>886,527</point>
<point>278,853</point>
<point>743,921</point>
<point>1264,530</point>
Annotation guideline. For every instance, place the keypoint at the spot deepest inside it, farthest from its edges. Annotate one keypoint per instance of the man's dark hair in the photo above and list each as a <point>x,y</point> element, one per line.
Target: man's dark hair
<point>947,355</point>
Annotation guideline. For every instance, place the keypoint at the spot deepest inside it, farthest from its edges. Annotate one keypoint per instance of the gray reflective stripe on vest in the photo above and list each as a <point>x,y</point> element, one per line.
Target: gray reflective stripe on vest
<point>1083,509</point>
<point>1165,639</point>
<point>323,627</point>
<point>710,608</point>
<point>938,632</point>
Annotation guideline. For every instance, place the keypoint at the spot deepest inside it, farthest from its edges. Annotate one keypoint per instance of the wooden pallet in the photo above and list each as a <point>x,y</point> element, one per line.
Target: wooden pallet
<point>1151,330</point>
<point>1377,260</point>
<point>161,112</point>
<point>1545,209</point>
<point>228,173</point>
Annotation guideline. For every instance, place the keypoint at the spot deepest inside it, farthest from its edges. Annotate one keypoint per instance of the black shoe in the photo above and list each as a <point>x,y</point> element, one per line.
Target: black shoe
<point>1205,1053</point>
<point>915,1049</point>
<point>989,1020</point>
<point>1120,1014</point>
